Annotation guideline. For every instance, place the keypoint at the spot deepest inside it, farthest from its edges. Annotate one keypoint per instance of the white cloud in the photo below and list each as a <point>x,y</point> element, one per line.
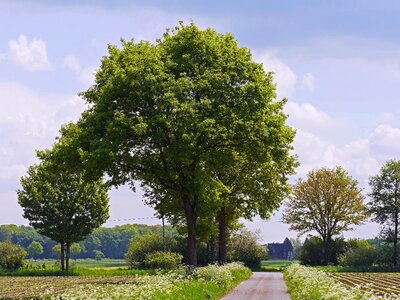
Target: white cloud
<point>84,75</point>
<point>362,157</point>
<point>308,82</point>
<point>308,117</point>
<point>29,121</point>
<point>284,77</point>
<point>30,55</point>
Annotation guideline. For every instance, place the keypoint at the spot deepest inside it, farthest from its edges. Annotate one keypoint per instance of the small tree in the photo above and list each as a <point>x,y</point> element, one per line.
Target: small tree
<point>385,202</point>
<point>61,205</point>
<point>328,202</point>
<point>75,250</point>
<point>35,249</point>
<point>243,246</point>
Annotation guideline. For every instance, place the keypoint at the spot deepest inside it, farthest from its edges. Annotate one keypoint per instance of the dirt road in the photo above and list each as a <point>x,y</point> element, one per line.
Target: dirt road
<point>260,286</point>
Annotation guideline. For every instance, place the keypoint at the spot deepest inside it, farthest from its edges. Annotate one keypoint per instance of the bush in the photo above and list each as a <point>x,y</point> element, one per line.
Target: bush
<point>162,260</point>
<point>244,247</point>
<point>11,256</point>
<point>358,253</point>
<point>312,253</point>
<point>146,244</point>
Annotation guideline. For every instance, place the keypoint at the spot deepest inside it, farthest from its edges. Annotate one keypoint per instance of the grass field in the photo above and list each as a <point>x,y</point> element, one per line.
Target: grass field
<point>381,284</point>
<point>82,263</point>
<point>275,265</point>
<point>80,267</point>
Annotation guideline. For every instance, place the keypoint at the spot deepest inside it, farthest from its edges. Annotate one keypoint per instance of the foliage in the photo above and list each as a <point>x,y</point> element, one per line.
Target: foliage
<point>56,250</point>
<point>62,205</point>
<point>243,246</point>
<point>385,202</point>
<point>75,250</point>
<point>308,283</point>
<point>329,202</point>
<point>361,254</point>
<point>11,256</point>
<point>313,248</point>
<point>35,249</point>
<point>174,113</point>
<point>162,260</point>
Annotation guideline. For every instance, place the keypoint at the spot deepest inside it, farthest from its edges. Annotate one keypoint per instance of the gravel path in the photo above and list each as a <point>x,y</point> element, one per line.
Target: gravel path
<point>260,286</point>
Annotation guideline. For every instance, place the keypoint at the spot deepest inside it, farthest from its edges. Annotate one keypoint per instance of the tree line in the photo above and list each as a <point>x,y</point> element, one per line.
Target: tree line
<point>111,242</point>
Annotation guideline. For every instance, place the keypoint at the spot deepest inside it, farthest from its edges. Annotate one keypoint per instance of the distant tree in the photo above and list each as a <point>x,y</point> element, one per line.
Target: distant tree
<point>385,202</point>
<point>56,251</point>
<point>75,250</point>
<point>98,255</point>
<point>329,202</point>
<point>35,249</point>
<point>243,246</point>
<point>297,245</point>
<point>62,205</point>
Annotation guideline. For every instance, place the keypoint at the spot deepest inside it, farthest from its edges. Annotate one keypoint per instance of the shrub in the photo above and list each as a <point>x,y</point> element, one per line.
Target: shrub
<point>146,244</point>
<point>312,253</point>
<point>244,247</point>
<point>11,256</point>
<point>358,253</point>
<point>162,260</point>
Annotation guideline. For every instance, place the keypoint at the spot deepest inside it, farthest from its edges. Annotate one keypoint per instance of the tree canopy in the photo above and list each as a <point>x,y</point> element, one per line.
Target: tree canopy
<point>385,202</point>
<point>329,202</point>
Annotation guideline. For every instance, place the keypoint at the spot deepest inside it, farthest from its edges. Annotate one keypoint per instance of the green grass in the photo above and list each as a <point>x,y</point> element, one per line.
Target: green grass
<point>81,263</point>
<point>275,265</point>
<point>80,267</point>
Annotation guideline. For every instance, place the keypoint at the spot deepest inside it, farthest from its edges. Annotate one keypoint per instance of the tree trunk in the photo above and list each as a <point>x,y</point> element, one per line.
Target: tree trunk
<point>212,249</point>
<point>222,236</point>
<point>327,249</point>
<point>67,256</point>
<point>62,256</point>
<point>396,233</point>
<point>191,253</point>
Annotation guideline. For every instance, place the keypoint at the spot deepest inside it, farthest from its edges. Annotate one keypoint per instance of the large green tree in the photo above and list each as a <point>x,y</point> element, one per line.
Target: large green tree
<point>329,202</point>
<point>385,202</point>
<point>173,113</point>
<point>62,205</point>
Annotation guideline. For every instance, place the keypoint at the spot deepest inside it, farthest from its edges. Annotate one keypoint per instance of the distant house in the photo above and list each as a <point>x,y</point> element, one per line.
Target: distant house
<point>280,250</point>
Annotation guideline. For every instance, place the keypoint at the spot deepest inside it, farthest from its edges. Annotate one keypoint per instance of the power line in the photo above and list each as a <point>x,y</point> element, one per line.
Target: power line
<point>131,219</point>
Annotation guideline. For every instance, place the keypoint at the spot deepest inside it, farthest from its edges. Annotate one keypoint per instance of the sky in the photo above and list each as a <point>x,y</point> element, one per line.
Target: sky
<point>337,63</point>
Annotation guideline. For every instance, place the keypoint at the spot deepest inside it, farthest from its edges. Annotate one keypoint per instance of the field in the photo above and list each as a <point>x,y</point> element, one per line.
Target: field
<point>381,284</point>
<point>82,263</point>
<point>275,265</point>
